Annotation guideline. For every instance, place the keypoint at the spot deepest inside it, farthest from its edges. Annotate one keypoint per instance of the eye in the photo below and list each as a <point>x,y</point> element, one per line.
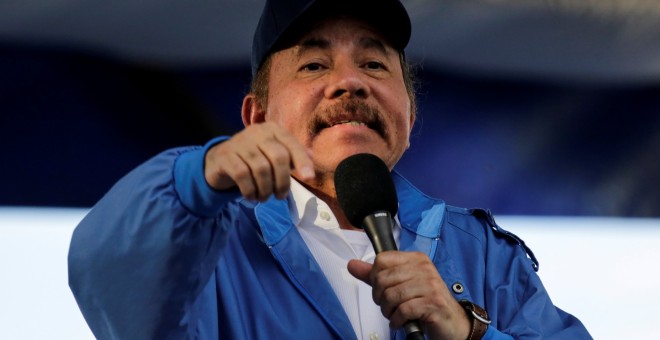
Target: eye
<point>312,67</point>
<point>374,65</point>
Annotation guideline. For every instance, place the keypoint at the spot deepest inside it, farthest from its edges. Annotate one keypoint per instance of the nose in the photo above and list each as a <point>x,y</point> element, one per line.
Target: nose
<point>347,80</point>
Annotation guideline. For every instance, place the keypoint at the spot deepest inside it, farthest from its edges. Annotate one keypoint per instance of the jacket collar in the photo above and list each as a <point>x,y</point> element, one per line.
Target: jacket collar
<point>419,214</point>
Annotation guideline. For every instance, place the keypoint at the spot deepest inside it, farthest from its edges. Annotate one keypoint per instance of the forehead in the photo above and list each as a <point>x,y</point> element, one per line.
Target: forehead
<point>343,29</point>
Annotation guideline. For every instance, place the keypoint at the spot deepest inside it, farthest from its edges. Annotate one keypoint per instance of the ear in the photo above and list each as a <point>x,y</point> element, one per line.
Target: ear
<point>252,112</point>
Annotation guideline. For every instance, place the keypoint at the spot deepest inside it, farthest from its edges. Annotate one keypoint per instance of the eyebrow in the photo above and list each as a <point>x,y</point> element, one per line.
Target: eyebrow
<point>371,43</point>
<point>323,44</point>
<point>311,44</point>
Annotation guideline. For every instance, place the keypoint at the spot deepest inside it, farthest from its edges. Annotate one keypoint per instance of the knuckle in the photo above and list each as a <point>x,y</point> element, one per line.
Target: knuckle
<point>377,278</point>
<point>252,155</point>
<point>241,175</point>
<point>280,157</point>
<point>262,170</point>
<point>393,294</point>
<point>406,310</point>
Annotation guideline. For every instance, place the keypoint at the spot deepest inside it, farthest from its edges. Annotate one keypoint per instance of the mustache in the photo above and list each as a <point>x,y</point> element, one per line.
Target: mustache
<point>351,109</point>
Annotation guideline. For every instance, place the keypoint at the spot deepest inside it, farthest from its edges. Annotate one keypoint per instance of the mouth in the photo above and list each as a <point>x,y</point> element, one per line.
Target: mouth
<point>349,122</point>
<point>373,124</point>
<point>349,113</point>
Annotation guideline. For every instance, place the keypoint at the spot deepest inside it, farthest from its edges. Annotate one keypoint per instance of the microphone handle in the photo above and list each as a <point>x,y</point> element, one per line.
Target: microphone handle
<point>378,227</point>
<point>413,332</point>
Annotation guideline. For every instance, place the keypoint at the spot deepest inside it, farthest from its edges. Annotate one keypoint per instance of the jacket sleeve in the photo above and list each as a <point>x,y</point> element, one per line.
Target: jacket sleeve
<point>520,303</point>
<point>498,272</point>
<point>146,250</point>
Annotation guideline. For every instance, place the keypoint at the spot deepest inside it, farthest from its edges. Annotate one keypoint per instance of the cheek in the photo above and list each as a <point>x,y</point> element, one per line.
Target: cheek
<point>402,120</point>
<point>395,99</point>
<point>288,115</point>
<point>294,107</point>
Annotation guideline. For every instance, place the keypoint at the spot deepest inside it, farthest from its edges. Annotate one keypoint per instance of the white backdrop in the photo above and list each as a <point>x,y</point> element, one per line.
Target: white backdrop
<point>603,270</point>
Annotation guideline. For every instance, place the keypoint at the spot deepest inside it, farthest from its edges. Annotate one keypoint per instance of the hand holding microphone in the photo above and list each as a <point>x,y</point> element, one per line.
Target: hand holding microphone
<point>366,194</point>
<point>406,285</point>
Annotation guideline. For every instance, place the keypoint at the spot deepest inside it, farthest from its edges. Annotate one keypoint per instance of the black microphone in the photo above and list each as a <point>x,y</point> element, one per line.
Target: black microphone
<point>367,196</point>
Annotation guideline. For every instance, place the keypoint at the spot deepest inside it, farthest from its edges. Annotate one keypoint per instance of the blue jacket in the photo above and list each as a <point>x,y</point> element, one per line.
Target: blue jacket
<point>163,256</point>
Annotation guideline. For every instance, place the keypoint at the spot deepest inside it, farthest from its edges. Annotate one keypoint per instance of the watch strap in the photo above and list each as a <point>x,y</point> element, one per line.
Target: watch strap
<point>479,318</point>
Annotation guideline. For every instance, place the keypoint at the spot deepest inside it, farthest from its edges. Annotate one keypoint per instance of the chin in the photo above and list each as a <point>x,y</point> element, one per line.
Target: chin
<point>330,158</point>
<point>329,152</point>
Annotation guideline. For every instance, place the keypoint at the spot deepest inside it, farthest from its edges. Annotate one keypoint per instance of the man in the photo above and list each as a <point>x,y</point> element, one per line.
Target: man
<point>244,238</point>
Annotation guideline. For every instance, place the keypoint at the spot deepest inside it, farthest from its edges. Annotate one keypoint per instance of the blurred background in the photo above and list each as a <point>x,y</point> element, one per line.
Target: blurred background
<point>526,107</point>
<point>544,109</point>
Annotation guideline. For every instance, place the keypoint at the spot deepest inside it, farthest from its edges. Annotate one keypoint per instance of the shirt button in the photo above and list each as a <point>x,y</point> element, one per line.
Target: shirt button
<point>325,215</point>
<point>373,336</point>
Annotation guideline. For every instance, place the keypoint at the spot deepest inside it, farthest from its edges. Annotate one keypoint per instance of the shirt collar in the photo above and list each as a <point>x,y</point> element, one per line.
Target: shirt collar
<point>299,199</point>
<point>303,206</point>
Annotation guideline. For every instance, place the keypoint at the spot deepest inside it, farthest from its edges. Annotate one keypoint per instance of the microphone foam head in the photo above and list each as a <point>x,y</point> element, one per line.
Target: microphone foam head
<point>364,185</point>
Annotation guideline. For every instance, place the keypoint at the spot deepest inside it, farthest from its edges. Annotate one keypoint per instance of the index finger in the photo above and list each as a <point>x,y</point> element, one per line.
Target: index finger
<point>301,161</point>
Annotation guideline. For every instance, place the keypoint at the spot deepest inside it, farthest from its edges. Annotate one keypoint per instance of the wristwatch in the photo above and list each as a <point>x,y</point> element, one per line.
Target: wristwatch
<point>479,317</point>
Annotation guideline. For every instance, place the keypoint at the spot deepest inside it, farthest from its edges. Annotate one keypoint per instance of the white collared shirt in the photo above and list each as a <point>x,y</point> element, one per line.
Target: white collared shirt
<point>332,248</point>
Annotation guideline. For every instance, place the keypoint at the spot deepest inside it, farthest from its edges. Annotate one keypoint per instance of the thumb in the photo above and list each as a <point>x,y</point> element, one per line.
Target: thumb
<point>360,270</point>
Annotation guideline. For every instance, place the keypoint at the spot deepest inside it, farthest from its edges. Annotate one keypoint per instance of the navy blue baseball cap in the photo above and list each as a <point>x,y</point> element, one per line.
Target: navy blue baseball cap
<point>283,21</point>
